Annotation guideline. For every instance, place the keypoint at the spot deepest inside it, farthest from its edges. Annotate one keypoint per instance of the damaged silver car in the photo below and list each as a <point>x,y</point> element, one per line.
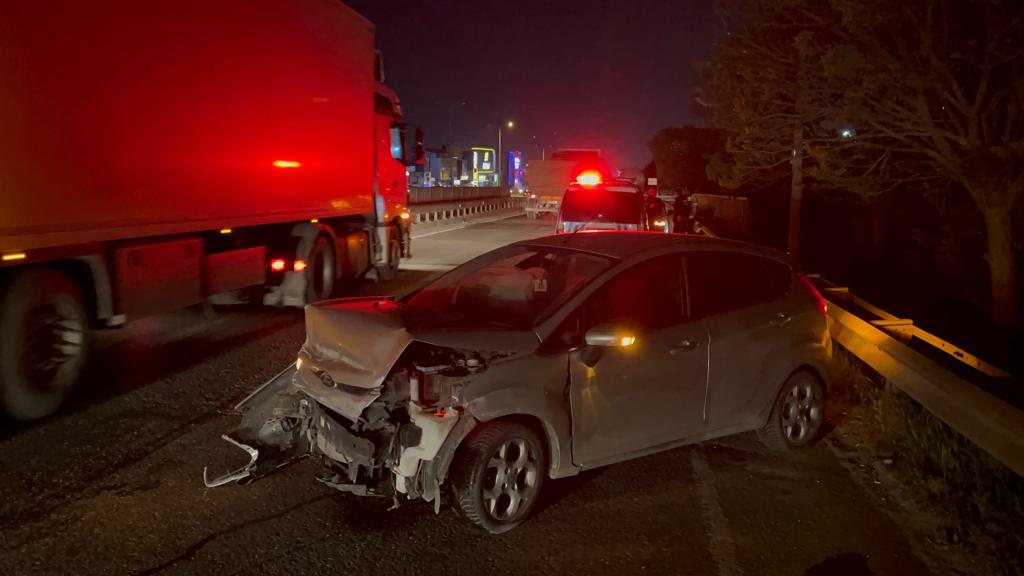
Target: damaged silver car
<point>542,359</point>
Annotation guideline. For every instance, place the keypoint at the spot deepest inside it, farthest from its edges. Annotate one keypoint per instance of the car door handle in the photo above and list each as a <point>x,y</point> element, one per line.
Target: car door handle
<point>781,319</point>
<point>684,346</point>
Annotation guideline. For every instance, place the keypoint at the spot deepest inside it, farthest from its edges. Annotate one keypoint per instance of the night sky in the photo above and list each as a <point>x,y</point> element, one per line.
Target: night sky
<point>576,74</point>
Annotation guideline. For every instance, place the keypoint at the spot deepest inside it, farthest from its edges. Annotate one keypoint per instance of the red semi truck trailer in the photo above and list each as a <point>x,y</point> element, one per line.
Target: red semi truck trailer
<point>156,154</point>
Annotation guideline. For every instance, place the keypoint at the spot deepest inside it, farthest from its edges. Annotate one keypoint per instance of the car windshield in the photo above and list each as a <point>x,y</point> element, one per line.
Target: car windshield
<point>513,287</point>
<point>601,205</point>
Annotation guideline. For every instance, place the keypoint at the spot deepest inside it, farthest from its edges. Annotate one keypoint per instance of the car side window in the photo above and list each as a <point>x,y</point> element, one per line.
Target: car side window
<point>721,282</point>
<point>648,296</point>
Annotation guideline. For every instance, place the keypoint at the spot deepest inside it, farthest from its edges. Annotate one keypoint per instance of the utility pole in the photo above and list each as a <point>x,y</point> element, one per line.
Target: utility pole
<point>510,124</point>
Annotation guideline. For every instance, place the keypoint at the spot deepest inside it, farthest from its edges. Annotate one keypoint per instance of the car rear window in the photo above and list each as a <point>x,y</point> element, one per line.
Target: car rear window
<point>601,205</point>
<point>721,282</point>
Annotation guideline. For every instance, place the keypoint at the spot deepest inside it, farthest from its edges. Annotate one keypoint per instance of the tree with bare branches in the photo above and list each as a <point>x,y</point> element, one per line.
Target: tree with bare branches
<point>873,96</point>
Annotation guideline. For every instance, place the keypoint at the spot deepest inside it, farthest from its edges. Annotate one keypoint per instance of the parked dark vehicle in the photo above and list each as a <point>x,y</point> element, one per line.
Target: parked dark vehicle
<point>542,359</point>
<point>614,205</point>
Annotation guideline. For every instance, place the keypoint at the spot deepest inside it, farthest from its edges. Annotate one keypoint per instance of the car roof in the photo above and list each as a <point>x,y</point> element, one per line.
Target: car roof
<point>624,245</point>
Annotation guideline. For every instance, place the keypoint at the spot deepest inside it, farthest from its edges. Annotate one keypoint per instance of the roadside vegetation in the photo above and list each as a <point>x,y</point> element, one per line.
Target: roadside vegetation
<point>981,501</point>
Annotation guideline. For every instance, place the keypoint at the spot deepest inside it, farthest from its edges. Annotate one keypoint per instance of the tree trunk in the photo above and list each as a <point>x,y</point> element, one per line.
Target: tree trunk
<point>1002,266</point>
<point>878,210</point>
<point>796,191</point>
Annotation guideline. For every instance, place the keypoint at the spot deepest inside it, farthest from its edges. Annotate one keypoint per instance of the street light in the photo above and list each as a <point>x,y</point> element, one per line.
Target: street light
<point>501,160</point>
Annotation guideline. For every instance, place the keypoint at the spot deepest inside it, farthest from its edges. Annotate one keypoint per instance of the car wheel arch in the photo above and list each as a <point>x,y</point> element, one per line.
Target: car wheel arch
<point>457,439</point>
<point>807,367</point>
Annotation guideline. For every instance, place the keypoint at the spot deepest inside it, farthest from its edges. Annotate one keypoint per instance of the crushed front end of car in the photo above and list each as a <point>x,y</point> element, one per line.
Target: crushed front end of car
<point>380,411</point>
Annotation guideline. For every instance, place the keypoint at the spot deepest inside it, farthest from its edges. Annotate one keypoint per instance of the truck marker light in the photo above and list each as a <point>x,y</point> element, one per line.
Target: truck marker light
<point>277,264</point>
<point>405,215</point>
<point>314,220</point>
<point>225,230</point>
<point>12,256</point>
<point>299,265</point>
<point>286,164</point>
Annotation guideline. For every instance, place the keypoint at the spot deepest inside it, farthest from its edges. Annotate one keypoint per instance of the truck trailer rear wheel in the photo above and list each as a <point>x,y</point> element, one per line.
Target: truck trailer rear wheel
<point>43,342</point>
<point>320,270</point>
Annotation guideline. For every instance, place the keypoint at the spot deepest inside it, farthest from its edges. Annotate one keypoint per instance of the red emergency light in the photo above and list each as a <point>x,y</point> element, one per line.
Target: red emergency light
<point>589,178</point>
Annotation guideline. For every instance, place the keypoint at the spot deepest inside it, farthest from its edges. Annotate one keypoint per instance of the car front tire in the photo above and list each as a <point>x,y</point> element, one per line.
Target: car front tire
<point>498,475</point>
<point>798,414</point>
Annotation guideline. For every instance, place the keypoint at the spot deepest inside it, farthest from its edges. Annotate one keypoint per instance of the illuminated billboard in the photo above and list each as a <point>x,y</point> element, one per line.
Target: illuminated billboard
<point>514,174</point>
<point>484,161</point>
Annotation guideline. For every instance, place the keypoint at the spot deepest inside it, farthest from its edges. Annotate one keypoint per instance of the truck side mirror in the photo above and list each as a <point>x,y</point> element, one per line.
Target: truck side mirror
<point>413,145</point>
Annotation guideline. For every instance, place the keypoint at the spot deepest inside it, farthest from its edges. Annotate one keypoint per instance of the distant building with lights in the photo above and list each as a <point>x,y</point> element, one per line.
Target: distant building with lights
<point>458,166</point>
<point>480,167</point>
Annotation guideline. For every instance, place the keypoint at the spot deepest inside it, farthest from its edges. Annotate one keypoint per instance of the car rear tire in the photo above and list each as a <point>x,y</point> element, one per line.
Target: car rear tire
<point>320,270</point>
<point>44,332</point>
<point>798,413</point>
<point>498,474</point>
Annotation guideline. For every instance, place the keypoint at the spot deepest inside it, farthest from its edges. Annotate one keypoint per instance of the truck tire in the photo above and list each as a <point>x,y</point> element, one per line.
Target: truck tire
<point>44,332</point>
<point>498,474</point>
<point>390,270</point>
<point>320,270</point>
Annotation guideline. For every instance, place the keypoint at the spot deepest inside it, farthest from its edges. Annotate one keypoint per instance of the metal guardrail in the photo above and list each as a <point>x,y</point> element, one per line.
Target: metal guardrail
<point>904,329</point>
<point>993,425</point>
<point>437,195</point>
<point>882,343</point>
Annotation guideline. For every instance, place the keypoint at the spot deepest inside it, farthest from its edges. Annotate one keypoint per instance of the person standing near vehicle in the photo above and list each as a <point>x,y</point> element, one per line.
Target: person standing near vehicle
<point>683,211</point>
<point>656,211</point>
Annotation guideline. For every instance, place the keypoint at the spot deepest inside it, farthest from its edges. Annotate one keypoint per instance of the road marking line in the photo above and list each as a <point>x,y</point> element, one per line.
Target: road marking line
<point>466,225</point>
<point>720,542</point>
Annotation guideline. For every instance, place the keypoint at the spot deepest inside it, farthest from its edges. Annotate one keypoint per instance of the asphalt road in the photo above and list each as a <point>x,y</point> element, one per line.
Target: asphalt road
<point>112,485</point>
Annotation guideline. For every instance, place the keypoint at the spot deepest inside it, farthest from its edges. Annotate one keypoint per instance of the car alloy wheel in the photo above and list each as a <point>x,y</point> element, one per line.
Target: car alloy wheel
<point>797,415</point>
<point>498,476</point>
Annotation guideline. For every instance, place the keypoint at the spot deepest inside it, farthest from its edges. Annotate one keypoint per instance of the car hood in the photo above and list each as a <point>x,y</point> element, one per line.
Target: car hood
<point>352,344</point>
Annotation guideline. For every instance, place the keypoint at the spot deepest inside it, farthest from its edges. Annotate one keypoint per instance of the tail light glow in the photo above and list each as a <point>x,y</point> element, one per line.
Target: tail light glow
<point>277,264</point>
<point>299,265</point>
<point>284,164</point>
<point>588,178</point>
<point>815,294</point>
<point>12,256</point>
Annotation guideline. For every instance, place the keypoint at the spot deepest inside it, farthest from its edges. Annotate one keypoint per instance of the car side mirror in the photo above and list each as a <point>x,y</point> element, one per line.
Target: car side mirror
<point>609,336</point>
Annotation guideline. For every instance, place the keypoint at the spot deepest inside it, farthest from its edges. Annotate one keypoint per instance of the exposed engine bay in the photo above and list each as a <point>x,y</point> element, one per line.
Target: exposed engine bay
<point>389,447</point>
